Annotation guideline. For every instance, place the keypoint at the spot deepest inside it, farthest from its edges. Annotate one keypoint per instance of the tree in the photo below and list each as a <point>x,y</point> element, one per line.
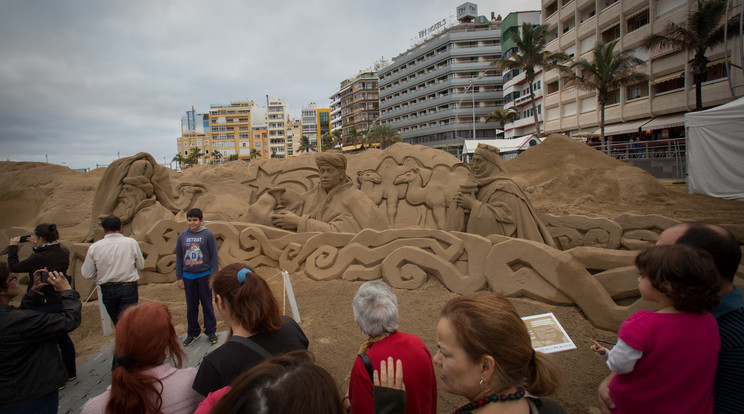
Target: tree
<point>384,134</point>
<point>327,142</point>
<point>354,138</point>
<point>179,159</point>
<point>608,71</point>
<point>233,157</point>
<point>273,153</point>
<point>704,29</point>
<point>193,157</point>
<point>531,54</point>
<point>337,140</point>
<point>254,154</point>
<point>503,116</point>
<point>304,144</point>
<point>217,155</point>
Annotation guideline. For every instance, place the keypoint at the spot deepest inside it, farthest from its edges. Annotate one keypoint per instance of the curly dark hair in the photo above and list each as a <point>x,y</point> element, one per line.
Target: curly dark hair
<point>686,274</point>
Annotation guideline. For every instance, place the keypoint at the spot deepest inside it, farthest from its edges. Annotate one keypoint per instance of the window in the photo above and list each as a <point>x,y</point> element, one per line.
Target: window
<point>553,87</point>
<point>613,97</point>
<point>637,91</point>
<point>670,84</point>
<point>611,34</point>
<point>639,20</point>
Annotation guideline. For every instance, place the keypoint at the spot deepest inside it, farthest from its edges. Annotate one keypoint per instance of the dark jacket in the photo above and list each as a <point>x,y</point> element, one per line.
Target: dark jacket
<point>30,363</point>
<point>51,256</point>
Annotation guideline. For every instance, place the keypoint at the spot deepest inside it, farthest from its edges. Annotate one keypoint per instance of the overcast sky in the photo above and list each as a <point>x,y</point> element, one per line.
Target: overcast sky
<point>86,81</point>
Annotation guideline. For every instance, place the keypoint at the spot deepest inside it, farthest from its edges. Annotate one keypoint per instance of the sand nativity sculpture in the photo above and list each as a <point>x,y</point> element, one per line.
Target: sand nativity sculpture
<point>403,214</point>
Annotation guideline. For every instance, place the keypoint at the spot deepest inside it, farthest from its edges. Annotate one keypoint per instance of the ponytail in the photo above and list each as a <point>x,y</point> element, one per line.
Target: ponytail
<point>544,375</point>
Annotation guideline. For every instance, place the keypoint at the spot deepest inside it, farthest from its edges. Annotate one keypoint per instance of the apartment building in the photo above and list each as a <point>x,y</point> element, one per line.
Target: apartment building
<point>316,123</point>
<point>230,128</point>
<point>277,111</point>
<point>294,133</point>
<point>194,133</point>
<point>652,110</point>
<point>516,88</point>
<point>260,140</point>
<point>439,92</point>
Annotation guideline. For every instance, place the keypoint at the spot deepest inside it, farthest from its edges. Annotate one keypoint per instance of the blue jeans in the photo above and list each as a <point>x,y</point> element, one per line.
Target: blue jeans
<point>66,347</point>
<point>116,297</point>
<point>46,404</point>
<point>197,290</point>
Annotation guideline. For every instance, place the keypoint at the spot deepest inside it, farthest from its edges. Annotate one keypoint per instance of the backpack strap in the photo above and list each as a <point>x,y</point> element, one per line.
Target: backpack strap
<point>252,345</point>
<point>367,365</point>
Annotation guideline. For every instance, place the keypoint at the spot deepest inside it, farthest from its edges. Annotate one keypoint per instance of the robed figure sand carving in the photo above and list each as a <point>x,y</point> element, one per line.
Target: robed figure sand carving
<point>335,205</point>
<point>499,205</point>
<point>138,191</point>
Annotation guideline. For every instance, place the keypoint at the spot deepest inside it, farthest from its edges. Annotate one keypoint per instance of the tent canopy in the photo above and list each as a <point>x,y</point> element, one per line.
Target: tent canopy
<point>715,151</point>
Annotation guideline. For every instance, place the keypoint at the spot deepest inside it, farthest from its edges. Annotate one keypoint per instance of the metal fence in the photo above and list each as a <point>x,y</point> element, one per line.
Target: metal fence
<point>662,158</point>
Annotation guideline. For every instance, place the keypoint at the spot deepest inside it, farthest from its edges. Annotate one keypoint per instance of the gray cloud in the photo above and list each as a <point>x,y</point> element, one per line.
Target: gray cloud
<point>84,80</point>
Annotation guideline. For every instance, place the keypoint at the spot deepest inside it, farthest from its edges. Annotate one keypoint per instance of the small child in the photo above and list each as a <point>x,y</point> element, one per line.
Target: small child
<point>666,360</point>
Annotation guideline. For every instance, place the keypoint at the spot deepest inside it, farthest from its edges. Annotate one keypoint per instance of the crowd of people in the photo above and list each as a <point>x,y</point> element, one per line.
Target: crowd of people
<point>684,357</point>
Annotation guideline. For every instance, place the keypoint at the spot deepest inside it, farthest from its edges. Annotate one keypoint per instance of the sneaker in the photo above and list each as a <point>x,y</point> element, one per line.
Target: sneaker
<point>188,340</point>
<point>213,339</point>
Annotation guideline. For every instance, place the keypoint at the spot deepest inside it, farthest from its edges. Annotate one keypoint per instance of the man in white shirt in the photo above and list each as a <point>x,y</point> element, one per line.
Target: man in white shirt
<point>113,262</point>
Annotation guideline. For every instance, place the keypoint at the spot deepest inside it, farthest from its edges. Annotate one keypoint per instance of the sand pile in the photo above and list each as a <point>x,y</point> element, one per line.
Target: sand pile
<point>564,175</point>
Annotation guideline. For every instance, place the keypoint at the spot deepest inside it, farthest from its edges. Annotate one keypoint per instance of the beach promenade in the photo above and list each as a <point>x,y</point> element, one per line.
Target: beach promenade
<point>95,374</point>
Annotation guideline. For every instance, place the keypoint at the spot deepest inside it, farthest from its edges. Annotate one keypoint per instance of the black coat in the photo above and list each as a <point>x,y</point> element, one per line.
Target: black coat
<point>52,256</point>
<point>30,363</point>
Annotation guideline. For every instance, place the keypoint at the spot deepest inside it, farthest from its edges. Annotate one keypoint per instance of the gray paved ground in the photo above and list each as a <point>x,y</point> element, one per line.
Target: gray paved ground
<point>95,374</point>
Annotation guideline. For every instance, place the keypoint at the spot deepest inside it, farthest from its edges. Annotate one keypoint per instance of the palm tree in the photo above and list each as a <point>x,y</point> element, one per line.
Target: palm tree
<point>337,140</point>
<point>193,157</point>
<point>233,157</point>
<point>384,134</point>
<point>216,154</point>
<point>531,54</point>
<point>608,71</point>
<point>254,154</point>
<point>327,143</point>
<point>503,116</point>
<point>704,29</point>
<point>273,153</point>
<point>179,159</point>
<point>304,144</point>
<point>354,137</point>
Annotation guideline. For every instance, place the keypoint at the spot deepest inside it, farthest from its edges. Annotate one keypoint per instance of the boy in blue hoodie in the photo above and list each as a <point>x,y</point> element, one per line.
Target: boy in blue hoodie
<point>196,259</point>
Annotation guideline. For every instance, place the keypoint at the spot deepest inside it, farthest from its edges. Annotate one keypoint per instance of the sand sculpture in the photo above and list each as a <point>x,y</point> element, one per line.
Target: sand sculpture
<point>137,189</point>
<point>410,193</point>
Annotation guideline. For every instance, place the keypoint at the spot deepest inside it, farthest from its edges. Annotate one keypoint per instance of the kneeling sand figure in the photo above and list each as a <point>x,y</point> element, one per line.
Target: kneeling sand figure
<point>499,206</point>
<point>335,205</point>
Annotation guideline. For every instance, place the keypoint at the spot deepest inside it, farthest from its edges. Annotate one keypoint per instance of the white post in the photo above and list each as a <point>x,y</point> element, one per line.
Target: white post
<point>105,318</point>
<point>291,296</point>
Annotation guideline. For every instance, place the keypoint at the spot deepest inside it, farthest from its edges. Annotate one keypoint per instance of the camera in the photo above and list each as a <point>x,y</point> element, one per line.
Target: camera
<point>24,239</point>
<point>45,277</point>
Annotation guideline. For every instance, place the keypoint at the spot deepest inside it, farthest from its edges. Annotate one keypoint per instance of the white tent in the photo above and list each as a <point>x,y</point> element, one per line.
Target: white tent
<point>715,151</point>
<point>508,148</point>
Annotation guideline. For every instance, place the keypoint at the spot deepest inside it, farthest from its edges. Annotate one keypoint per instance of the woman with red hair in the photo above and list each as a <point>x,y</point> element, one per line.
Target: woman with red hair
<point>144,381</point>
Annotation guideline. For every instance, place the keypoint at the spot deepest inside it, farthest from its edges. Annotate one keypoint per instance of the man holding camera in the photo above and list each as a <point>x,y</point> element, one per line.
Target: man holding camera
<point>114,262</point>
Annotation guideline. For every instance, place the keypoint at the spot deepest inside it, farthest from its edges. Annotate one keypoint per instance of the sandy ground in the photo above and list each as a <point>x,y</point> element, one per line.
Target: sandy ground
<point>561,176</point>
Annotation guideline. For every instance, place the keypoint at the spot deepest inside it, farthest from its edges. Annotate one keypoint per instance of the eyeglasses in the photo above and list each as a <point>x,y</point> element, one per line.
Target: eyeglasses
<point>12,278</point>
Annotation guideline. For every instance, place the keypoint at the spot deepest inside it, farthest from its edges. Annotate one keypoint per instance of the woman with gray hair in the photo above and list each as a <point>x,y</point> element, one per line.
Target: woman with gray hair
<point>376,312</point>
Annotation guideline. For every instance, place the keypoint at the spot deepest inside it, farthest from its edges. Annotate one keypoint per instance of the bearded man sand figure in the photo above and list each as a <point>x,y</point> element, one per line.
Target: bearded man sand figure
<point>334,205</point>
<point>499,205</point>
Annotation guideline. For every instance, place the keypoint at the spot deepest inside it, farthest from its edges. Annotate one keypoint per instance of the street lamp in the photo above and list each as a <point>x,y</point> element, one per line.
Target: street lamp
<point>470,85</point>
